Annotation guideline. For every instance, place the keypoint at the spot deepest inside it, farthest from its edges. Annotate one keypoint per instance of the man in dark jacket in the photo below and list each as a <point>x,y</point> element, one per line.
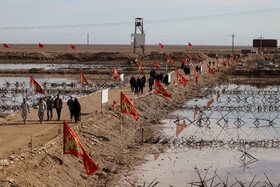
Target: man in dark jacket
<point>58,106</point>
<point>69,104</point>
<point>49,108</point>
<point>151,82</point>
<point>76,110</point>
<point>132,83</point>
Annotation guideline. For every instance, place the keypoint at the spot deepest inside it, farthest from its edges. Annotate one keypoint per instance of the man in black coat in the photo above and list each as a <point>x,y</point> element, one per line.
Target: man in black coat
<point>132,83</point>
<point>76,110</point>
<point>57,104</point>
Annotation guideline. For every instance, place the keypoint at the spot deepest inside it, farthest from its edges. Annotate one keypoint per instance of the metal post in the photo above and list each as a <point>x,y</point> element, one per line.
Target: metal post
<point>87,40</point>
<point>101,98</point>
<point>261,43</point>
<point>232,43</point>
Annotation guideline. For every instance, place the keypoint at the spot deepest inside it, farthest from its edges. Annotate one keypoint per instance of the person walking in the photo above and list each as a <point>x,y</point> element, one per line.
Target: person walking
<point>49,108</point>
<point>76,110</point>
<point>24,109</point>
<point>58,106</point>
<point>41,111</point>
<point>132,83</point>
<point>151,82</point>
<point>69,104</point>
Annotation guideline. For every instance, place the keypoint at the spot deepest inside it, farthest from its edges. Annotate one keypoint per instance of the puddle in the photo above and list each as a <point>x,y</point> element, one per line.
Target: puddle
<point>55,66</point>
<point>236,136</point>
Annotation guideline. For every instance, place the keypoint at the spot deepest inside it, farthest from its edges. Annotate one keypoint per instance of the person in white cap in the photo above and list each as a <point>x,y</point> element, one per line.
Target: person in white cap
<point>24,110</point>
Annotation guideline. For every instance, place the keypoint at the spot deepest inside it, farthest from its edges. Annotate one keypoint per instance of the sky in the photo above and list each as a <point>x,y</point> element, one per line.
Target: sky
<point>175,22</point>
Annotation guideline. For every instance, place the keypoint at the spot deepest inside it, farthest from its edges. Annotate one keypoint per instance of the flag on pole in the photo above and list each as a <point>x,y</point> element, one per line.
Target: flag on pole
<point>83,78</point>
<point>156,65</point>
<point>181,60</point>
<point>169,60</point>
<point>198,55</point>
<point>114,102</point>
<point>181,127</point>
<point>141,68</point>
<point>41,45</point>
<point>224,91</point>
<point>73,46</point>
<point>160,90</point>
<point>190,45</point>
<point>116,75</point>
<point>210,70</point>
<point>160,45</point>
<point>72,145</point>
<point>218,96</point>
<point>127,106</point>
<point>6,45</point>
<point>195,112</point>
<point>209,103</point>
<point>191,57</point>
<point>37,87</point>
<point>219,67</point>
<point>224,62</point>
<point>195,75</point>
<point>181,79</point>
<point>188,60</point>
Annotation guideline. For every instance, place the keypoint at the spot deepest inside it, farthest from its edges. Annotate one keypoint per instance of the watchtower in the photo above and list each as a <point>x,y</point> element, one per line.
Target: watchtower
<point>138,37</point>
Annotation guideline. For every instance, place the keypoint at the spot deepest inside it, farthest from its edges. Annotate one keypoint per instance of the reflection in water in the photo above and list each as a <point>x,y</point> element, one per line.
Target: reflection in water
<point>233,140</point>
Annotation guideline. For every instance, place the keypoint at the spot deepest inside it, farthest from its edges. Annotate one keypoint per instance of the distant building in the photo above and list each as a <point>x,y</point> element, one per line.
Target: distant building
<point>264,43</point>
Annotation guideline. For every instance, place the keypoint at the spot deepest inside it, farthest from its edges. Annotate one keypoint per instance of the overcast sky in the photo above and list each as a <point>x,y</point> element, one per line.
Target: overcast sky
<point>199,26</point>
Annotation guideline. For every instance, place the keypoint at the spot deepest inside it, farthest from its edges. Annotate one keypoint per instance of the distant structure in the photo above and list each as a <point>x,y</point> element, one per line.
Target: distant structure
<point>138,39</point>
<point>264,43</point>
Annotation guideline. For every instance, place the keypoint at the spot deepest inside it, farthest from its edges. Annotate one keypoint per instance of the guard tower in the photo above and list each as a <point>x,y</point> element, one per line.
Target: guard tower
<point>138,39</point>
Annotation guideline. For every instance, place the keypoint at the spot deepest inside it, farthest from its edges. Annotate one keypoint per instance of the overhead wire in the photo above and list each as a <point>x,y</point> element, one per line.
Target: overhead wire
<point>156,21</point>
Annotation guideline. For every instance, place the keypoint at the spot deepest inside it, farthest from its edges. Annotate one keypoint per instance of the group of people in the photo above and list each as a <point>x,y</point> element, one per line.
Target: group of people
<point>73,104</point>
<point>138,84</point>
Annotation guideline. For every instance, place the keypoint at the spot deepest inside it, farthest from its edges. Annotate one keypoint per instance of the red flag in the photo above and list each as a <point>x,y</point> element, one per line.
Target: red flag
<point>191,57</point>
<point>156,65</point>
<point>160,90</point>
<point>187,59</point>
<point>127,106</point>
<point>72,145</point>
<point>224,91</point>
<point>73,46</point>
<point>219,67</point>
<point>198,55</point>
<point>169,60</point>
<point>218,96</point>
<point>209,103</point>
<point>224,62</point>
<point>181,79</point>
<point>83,78</point>
<point>37,87</point>
<point>195,112</point>
<point>116,75</point>
<point>160,45</point>
<point>181,127</point>
<point>115,102</point>
<point>190,45</point>
<point>141,68</point>
<point>181,60</point>
<point>6,45</point>
<point>210,70</point>
<point>41,45</point>
<point>195,75</point>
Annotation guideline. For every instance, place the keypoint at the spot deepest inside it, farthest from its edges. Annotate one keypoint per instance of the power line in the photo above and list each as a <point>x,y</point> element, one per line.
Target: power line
<point>158,21</point>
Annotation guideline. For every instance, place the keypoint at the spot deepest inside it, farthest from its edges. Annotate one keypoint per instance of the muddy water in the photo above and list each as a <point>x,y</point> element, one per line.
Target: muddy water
<point>55,66</point>
<point>236,136</point>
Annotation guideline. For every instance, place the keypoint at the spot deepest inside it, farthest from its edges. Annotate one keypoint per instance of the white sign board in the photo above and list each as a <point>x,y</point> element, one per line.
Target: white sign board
<point>104,96</point>
<point>169,77</point>
<point>122,77</point>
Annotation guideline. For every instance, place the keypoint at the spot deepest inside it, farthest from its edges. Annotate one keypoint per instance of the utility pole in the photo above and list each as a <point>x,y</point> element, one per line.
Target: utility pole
<point>232,47</point>
<point>261,43</point>
<point>87,40</point>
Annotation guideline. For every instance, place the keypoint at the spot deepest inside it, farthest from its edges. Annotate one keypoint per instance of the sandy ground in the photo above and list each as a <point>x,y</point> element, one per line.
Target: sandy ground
<point>114,147</point>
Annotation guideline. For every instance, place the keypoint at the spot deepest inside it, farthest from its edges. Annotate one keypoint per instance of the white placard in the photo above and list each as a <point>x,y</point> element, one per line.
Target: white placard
<point>122,77</point>
<point>169,77</point>
<point>104,96</point>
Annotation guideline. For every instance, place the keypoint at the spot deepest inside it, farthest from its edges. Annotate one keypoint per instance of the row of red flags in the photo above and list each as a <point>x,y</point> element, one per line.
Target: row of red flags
<point>40,45</point>
<point>161,46</point>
